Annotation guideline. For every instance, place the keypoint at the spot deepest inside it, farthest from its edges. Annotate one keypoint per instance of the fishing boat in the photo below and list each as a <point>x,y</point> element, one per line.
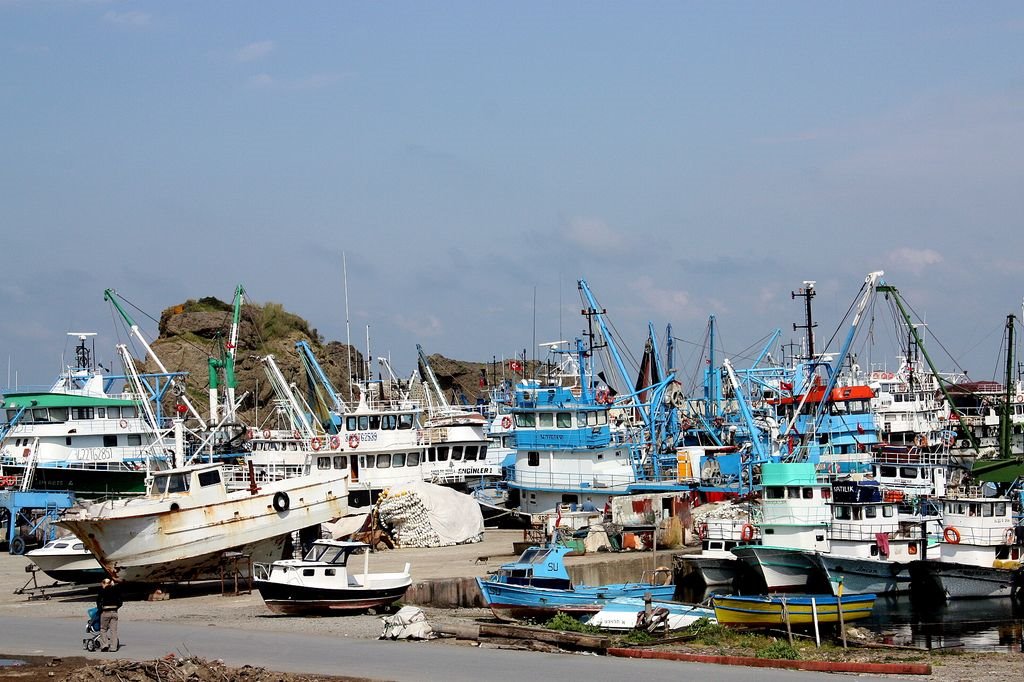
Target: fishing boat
<point>767,610</point>
<point>78,435</point>
<point>325,581</point>
<point>182,528</point>
<point>624,613</point>
<point>538,585</point>
<point>981,553</point>
<point>715,564</point>
<point>67,560</point>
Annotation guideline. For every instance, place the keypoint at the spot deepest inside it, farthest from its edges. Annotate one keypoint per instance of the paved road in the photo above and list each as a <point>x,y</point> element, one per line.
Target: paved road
<point>381,660</point>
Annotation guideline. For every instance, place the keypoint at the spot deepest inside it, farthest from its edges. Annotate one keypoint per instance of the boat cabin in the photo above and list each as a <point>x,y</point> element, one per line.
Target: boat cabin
<point>538,567</point>
<point>198,485</point>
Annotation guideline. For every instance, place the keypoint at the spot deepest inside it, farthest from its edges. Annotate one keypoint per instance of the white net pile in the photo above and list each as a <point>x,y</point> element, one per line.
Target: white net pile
<point>425,515</point>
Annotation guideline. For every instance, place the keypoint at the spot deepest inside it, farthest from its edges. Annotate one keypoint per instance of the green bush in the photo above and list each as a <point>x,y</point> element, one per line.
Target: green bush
<point>638,637</point>
<point>565,622</point>
<point>707,631</point>
<point>778,649</point>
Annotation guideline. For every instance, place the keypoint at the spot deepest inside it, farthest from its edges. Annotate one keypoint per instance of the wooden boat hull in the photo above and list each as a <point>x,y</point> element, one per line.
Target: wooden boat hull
<point>771,610</point>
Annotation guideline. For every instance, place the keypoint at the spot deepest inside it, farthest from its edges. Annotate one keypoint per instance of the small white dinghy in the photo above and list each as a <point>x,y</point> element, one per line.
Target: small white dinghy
<point>625,613</point>
<point>323,582</point>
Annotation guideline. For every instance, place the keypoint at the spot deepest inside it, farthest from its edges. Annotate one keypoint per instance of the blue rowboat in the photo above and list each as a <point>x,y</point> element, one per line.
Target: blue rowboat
<point>538,585</point>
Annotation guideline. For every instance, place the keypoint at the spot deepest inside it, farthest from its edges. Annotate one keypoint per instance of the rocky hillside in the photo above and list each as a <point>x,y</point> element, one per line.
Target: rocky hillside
<point>195,331</point>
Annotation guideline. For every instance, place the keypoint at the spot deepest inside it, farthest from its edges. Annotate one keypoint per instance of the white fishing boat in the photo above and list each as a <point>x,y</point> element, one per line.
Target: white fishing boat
<point>980,555</point>
<point>715,564</point>
<point>67,560</point>
<point>326,581</point>
<point>182,528</point>
<point>627,613</point>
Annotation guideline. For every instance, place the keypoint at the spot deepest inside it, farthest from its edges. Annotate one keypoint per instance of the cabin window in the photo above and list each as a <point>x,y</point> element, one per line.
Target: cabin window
<point>67,441</point>
<point>526,420</point>
<point>808,493</point>
<point>887,471</point>
<point>208,478</point>
<point>375,422</point>
<point>570,499</point>
<point>1000,509</point>
<point>58,414</point>
<point>389,422</point>
<point>383,461</point>
<point>431,455</point>
<point>172,483</point>
<point>842,513</point>
<point>101,413</point>
<point>404,421</point>
<point>564,420</point>
<point>442,453</point>
<point>457,453</point>
<point>546,420</point>
<point>363,422</point>
<point>330,571</point>
<point>308,572</point>
<point>78,546</point>
<point>413,459</point>
<point>483,452</point>
<point>602,418</point>
<point>774,492</point>
<point>323,463</point>
<point>887,511</point>
<point>870,512</point>
<point>398,460</point>
<point>367,461</point>
<point>826,493</point>
<point>874,550</point>
<point>82,413</point>
<point>110,441</point>
<point>134,439</point>
<point>533,459</point>
<point>793,492</point>
<point>129,412</point>
<point>340,462</point>
<point>592,418</point>
<point>471,453</point>
<point>351,423</point>
<point>986,509</point>
<point>908,472</point>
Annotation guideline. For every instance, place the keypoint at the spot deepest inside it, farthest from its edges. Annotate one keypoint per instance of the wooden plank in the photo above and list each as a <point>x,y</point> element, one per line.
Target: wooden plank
<point>572,639</point>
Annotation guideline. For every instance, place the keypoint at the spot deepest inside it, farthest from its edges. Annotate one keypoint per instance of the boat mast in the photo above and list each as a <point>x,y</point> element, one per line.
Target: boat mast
<point>1005,426</point>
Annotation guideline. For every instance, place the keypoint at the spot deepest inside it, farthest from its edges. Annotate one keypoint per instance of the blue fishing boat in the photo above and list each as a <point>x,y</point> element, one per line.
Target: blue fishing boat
<point>537,585</point>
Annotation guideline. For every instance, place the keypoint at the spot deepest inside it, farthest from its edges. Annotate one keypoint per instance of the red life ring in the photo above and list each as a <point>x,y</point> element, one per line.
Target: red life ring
<point>335,442</point>
<point>506,422</point>
<point>951,535</point>
<point>1009,536</point>
<point>123,423</point>
<point>747,532</point>
<point>316,444</point>
<point>353,441</point>
<point>296,435</point>
<point>912,548</point>
<point>702,531</point>
<point>266,433</point>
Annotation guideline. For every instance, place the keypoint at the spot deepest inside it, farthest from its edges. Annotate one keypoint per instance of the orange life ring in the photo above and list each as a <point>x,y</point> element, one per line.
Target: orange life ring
<point>353,441</point>
<point>335,442</point>
<point>702,531</point>
<point>951,535</point>
<point>1009,536</point>
<point>747,532</point>
<point>506,422</point>
<point>912,548</point>
<point>316,444</point>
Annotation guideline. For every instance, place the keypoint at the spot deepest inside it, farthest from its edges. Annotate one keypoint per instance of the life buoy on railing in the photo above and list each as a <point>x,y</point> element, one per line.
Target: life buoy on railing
<point>266,433</point>
<point>702,531</point>
<point>316,444</point>
<point>8,481</point>
<point>296,435</point>
<point>335,442</point>
<point>833,468</point>
<point>1009,536</point>
<point>123,423</point>
<point>601,396</point>
<point>747,532</point>
<point>951,535</point>
<point>506,422</point>
<point>353,441</point>
<point>912,548</point>
<point>281,501</point>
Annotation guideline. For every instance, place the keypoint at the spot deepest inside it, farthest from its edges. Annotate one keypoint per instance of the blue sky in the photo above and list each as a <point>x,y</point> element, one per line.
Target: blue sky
<point>471,158</point>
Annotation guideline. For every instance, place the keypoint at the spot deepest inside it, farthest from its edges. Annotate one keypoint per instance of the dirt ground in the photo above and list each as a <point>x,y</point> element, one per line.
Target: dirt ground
<point>80,669</point>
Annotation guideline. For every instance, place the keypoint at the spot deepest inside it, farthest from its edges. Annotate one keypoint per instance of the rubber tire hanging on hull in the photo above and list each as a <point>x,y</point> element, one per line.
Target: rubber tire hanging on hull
<point>17,545</point>
<point>281,501</point>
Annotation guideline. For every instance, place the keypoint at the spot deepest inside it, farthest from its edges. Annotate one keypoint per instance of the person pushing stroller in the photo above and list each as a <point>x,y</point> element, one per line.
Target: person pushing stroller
<point>108,601</point>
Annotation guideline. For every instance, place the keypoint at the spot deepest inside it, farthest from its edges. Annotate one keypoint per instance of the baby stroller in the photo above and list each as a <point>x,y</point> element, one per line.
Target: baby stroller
<point>91,641</point>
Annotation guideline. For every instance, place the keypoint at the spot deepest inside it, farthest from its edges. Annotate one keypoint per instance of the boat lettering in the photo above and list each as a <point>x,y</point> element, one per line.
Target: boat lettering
<point>365,436</point>
<point>91,454</point>
<point>552,566</point>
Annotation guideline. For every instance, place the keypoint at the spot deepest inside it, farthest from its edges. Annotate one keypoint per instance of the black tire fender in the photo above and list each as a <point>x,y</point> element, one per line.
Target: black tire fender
<point>281,501</point>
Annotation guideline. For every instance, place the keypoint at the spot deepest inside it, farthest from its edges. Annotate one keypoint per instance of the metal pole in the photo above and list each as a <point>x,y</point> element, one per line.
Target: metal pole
<point>814,617</point>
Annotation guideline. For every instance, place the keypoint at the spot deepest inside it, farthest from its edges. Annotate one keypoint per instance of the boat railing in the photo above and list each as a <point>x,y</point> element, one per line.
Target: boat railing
<point>980,536</point>
<point>261,571</point>
<point>549,480</point>
<point>913,455</point>
<point>863,531</point>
